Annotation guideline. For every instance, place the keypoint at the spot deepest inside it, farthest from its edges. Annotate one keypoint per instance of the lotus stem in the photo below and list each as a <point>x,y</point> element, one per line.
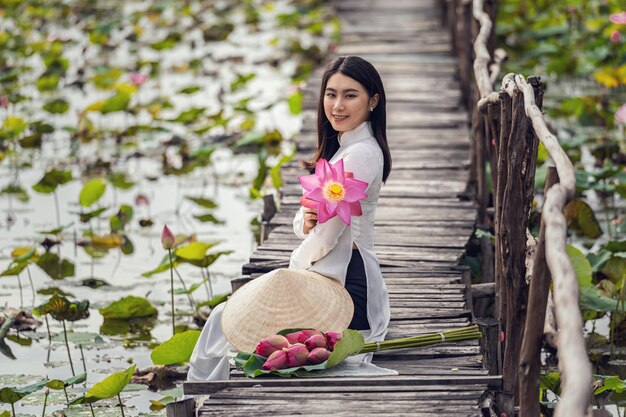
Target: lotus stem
<point>169,251</point>
<point>45,400</point>
<point>121,404</point>
<point>56,206</point>
<point>189,296</point>
<point>13,409</point>
<point>68,348</point>
<point>92,412</point>
<point>82,357</point>
<point>208,278</point>
<point>48,329</point>
<point>470,332</point>
<point>19,284</point>
<point>32,287</point>
<point>67,399</point>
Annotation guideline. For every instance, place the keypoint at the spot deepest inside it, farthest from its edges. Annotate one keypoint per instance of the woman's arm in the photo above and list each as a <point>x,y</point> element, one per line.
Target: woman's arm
<point>366,165</point>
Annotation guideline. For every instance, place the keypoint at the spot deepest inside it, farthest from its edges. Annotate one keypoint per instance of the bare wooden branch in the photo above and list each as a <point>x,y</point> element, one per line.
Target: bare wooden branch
<point>482,57</point>
<point>573,360</point>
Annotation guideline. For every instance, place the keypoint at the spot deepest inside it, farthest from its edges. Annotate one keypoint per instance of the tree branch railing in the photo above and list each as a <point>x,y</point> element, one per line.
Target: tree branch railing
<point>507,127</point>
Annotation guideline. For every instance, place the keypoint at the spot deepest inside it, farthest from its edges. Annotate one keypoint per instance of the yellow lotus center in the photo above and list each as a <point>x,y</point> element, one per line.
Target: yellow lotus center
<point>334,192</point>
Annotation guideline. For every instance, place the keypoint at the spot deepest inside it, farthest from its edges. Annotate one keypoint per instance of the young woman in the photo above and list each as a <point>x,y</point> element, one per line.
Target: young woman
<point>351,127</point>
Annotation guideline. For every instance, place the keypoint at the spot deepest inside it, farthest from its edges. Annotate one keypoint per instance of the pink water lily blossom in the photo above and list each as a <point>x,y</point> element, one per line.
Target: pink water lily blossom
<point>619,18</point>
<point>138,78</point>
<point>615,36</point>
<point>332,192</point>
<point>620,114</point>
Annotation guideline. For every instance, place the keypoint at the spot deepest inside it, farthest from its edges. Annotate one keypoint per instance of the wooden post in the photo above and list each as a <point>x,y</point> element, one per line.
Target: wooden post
<point>237,283</point>
<point>184,408</point>
<point>530,355</point>
<point>489,342</point>
<point>513,226</point>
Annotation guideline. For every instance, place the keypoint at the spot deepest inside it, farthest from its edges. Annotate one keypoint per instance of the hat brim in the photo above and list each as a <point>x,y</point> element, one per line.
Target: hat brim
<point>283,299</point>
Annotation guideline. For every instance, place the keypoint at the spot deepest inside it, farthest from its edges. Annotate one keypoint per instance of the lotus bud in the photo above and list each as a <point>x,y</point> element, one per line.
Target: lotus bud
<point>167,238</point>
<point>277,360</point>
<point>271,344</point>
<point>615,36</point>
<point>142,200</point>
<point>315,341</point>
<point>292,337</point>
<point>318,355</point>
<point>138,78</point>
<point>4,101</point>
<point>305,334</point>
<point>331,339</point>
<point>297,355</point>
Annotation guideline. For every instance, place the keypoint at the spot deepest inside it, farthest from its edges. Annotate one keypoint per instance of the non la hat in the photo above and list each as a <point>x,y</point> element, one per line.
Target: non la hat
<point>285,299</point>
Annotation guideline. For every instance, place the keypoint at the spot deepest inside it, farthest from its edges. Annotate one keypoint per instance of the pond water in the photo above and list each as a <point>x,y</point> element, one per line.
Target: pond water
<point>153,98</point>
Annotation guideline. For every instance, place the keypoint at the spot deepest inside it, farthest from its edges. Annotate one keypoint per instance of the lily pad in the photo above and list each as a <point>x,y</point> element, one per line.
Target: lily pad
<point>122,218</point>
<point>109,387</point>
<point>91,192</point>
<point>79,338</point>
<point>60,308</point>
<point>51,180</point>
<point>11,395</point>
<point>177,349</point>
<point>58,384</point>
<point>54,266</point>
<point>194,250</point>
<point>581,217</point>
<point>129,307</point>
<point>202,201</point>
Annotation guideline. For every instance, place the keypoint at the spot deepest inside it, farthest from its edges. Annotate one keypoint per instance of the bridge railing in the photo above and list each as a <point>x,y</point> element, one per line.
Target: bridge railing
<point>507,127</point>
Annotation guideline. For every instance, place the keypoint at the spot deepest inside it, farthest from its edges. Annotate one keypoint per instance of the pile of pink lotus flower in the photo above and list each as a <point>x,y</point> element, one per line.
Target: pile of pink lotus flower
<point>304,347</point>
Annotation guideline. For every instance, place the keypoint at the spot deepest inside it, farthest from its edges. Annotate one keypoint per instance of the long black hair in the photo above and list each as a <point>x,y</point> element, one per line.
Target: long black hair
<point>364,73</point>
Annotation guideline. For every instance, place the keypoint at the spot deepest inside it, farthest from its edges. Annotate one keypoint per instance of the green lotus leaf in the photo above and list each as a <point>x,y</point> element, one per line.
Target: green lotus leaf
<point>11,395</point>
<point>57,106</point>
<point>58,384</point>
<point>580,216</point>
<point>208,260</point>
<point>118,102</point>
<point>47,83</point>
<point>177,349</point>
<point>120,180</point>
<point>581,266</point>
<point>79,338</point>
<point>611,383</point>
<point>190,90</point>
<point>121,219</point>
<point>105,79</point>
<point>109,387</point>
<point>615,270</point>
<point>51,180</point>
<point>16,191</point>
<point>85,217</point>
<point>163,266</point>
<point>202,202</point>
<point>189,116</point>
<point>241,80</point>
<point>194,250</point>
<point>60,308</point>
<point>54,266</point>
<point>54,290</point>
<point>295,102</point>
<point>216,300</point>
<point>14,269</point>
<point>208,218</point>
<point>13,126</point>
<point>55,231</point>
<point>91,192</point>
<point>161,403</point>
<point>129,307</point>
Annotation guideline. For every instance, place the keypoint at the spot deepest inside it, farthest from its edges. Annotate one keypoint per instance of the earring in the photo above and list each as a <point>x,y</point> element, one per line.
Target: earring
<point>371,108</point>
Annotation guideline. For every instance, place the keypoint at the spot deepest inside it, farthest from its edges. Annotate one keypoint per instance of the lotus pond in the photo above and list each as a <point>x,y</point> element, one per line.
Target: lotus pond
<point>116,119</point>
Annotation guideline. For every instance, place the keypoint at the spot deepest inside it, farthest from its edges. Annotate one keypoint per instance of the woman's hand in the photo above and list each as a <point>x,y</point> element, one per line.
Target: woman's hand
<point>310,219</point>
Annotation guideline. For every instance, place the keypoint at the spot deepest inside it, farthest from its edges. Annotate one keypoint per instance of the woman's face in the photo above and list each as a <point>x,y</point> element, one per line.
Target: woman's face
<point>346,103</point>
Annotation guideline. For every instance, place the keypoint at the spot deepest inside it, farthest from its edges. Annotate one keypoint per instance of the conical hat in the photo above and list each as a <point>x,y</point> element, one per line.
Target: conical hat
<point>285,299</point>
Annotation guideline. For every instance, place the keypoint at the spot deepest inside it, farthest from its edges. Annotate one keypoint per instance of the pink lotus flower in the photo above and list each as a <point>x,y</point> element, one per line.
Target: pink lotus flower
<point>619,18</point>
<point>332,192</point>
<point>615,36</point>
<point>142,200</point>
<point>331,339</point>
<point>620,114</point>
<point>167,238</point>
<point>4,101</point>
<point>318,355</point>
<point>315,341</point>
<point>277,360</point>
<point>301,336</point>
<point>138,78</point>
<point>271,344</point>
<point>297,355</point>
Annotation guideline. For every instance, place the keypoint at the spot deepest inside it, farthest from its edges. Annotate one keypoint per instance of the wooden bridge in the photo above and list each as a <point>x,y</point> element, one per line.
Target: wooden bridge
<point>424,222</point>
